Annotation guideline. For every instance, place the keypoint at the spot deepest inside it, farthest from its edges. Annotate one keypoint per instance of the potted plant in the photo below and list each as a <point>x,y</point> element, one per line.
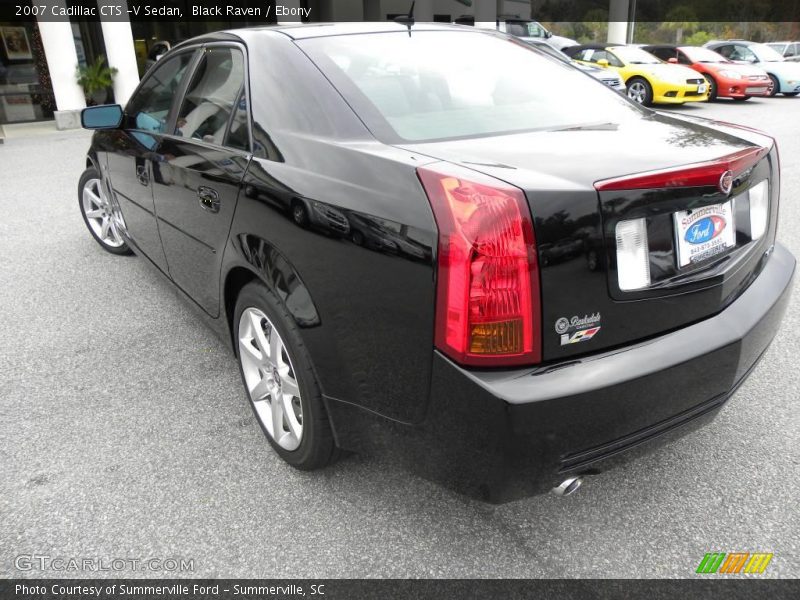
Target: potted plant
<point>95,79</point>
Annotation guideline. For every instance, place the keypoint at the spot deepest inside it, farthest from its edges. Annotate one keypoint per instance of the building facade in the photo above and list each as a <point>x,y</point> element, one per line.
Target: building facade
<point>39,56</point>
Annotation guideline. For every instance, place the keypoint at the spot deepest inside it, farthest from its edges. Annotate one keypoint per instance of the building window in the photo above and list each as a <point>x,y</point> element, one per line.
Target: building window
<point>25,90</point>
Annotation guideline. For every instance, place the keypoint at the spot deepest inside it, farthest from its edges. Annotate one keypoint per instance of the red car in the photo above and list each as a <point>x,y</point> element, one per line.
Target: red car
<point>726,79</point>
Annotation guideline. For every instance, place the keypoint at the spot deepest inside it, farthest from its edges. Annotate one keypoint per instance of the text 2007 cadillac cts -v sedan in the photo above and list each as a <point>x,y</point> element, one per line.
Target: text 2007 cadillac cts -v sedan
<point>415,247</point>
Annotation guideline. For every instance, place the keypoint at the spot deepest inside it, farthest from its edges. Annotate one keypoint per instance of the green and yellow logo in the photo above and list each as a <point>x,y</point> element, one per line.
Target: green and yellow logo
<point>734,562</point>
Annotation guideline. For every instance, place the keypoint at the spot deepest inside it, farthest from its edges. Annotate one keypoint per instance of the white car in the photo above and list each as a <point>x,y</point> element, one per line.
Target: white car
<point>789,50</point>
<point>785,75</point>
<point>525,29</point>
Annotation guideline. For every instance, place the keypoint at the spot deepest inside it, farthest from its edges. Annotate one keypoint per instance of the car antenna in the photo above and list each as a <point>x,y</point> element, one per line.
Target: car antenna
<point>407,20</point>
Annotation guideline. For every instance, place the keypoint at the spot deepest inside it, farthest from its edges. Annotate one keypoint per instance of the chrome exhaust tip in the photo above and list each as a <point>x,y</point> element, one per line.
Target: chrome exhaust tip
<point>568,486</point>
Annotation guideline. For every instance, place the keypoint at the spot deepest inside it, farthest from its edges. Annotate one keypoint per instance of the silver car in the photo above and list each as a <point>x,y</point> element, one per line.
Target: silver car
<point>789,50</point>
<point>607,76</point>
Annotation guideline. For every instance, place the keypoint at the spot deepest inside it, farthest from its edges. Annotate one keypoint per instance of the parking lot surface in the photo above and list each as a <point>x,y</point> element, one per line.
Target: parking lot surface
<point>125,432</point>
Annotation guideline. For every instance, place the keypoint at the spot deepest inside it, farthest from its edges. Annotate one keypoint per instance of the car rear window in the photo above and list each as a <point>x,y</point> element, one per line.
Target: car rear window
<point>436,85</point>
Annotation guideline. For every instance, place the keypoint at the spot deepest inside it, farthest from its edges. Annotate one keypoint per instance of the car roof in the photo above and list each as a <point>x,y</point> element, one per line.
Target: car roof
<point>299,31</point>
<point>311,30</point>
<point>720,42</point>
<point>592,46</point>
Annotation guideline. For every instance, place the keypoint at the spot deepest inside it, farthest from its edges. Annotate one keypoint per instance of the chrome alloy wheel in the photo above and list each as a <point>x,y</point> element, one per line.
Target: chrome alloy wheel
<point>99,215</point>
<point>637,92</point>
<point>270,379</point>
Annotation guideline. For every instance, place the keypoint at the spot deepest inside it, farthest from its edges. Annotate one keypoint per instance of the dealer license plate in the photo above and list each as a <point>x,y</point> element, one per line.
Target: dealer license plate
<point>704,232</point>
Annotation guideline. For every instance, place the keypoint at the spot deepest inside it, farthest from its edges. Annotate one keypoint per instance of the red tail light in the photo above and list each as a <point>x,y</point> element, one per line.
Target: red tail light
<point>488,311</point>
<point>700,174</point>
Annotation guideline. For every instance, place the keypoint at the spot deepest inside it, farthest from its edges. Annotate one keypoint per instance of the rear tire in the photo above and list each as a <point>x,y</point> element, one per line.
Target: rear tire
<point>640,91</point>
<point>98,214</point>
<point>279,380</point>
<point>791,94</point>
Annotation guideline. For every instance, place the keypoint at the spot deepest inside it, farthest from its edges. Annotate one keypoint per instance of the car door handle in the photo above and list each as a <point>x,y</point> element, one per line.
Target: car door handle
<point>141,175</point>
<point>209,198</point>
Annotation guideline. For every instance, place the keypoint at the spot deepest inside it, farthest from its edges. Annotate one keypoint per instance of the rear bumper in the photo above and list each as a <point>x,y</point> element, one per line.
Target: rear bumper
<point>504,435</point>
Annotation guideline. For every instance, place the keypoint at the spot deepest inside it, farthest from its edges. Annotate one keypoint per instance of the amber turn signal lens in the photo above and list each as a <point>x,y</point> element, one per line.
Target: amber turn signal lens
<point>503,337</point>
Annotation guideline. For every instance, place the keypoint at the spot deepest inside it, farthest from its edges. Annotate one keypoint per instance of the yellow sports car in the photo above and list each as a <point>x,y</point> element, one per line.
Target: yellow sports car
<point>648,79</point>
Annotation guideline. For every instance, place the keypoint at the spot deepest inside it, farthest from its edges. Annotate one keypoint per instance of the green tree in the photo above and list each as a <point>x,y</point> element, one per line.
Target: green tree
<point>680,19</point>
<point>698,38</point>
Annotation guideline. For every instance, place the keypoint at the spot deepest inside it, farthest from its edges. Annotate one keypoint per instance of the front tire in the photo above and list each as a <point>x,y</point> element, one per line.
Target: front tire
<point>98,215</point>
<point>776,86</point>
<point>791,94</point>
<point>742,98</point>
<point>712,87</point>
<point>299,214</point>
<point>279,380</point>
<point>640,91</point>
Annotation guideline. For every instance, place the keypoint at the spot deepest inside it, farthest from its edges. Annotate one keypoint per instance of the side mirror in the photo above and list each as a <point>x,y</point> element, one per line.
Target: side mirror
<point>602,63</point>
<point>672,60</point>
<point>108,116</point>
<point>548,34</point>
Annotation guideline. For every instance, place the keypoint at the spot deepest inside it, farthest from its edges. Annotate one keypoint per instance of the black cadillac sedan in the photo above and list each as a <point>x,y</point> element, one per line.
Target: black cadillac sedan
<point>416,248</point>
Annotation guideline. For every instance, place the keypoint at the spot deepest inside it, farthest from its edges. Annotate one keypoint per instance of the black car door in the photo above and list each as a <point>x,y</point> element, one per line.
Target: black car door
<point>134,149</point>
<point>196,184</point>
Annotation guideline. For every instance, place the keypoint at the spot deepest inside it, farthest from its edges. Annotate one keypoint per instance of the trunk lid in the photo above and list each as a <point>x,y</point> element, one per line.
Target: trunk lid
<point>583,308</point>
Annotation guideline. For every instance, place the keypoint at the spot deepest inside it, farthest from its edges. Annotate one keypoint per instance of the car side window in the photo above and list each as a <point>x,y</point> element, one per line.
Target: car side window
<point>213,96</point>
<point>592,55</point>
<point>239,132</point>
<point>743,53</point>
<point>792,49</point>
<point>725,51</point>
<point>662,53</point>
<point>149,108</point>
<point>599,55</point>
<point>535,30</point>
<point>683,59</point>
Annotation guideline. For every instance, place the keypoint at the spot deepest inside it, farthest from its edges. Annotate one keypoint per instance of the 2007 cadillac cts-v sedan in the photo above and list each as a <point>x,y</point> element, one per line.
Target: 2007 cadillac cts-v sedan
<point>416,245</point>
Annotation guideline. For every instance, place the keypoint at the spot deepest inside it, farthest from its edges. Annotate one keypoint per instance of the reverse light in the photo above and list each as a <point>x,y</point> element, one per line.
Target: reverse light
<point>488,309</point>
<point>633,260</point>
<point>759,209</point>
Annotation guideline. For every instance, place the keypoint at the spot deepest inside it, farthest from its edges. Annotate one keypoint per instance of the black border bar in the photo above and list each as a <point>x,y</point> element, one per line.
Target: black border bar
<point>270,11</point>
<point>703,586</point>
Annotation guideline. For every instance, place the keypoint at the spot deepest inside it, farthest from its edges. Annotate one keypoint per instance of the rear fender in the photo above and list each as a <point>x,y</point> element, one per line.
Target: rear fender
<point>256,258</point>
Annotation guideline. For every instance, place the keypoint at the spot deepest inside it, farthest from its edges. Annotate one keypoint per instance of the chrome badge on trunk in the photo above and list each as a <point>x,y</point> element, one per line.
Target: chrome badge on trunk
<point>578,329</point>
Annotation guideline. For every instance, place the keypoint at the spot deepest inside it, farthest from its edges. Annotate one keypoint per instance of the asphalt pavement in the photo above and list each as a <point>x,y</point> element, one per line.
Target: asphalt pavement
<point>125,433</point>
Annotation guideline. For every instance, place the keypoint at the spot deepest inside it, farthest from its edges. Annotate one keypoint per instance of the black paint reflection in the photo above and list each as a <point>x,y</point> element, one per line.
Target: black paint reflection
<point>281,278</point>
<point>362,229</point>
